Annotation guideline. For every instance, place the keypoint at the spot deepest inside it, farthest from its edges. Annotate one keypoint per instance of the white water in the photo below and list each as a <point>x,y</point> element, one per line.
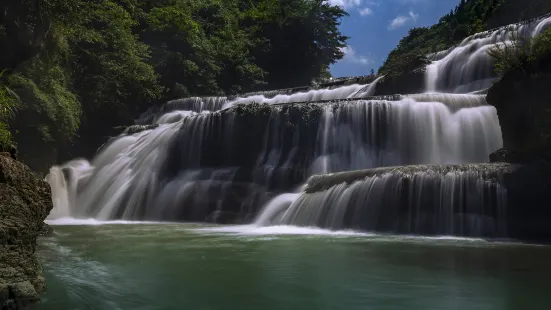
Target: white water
<point>179,170</point>
<point>375,134</point>
<point>128,178</point>
<point>255,230</point>
<point>344,92</point>
<point>468,67</point>
<point>70,221</point>
<point>127,167</point>
<point>273,208</point>
<point>460,203</point>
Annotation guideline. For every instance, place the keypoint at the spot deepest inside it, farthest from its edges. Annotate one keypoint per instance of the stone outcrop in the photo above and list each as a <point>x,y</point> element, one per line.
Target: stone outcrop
<point>25,201</point>
<point>522,99</point>
<point>405,83</point>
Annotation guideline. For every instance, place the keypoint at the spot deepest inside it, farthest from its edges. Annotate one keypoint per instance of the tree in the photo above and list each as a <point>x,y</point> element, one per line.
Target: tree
<point>297,40</point>
<point>111,73</point>
<point>468,18</point>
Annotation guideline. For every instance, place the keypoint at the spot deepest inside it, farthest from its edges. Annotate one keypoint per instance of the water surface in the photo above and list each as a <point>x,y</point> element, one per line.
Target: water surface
<point>176,266</point>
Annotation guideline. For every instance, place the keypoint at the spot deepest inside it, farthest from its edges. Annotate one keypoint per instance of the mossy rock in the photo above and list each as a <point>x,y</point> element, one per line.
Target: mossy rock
<point>25,201</point>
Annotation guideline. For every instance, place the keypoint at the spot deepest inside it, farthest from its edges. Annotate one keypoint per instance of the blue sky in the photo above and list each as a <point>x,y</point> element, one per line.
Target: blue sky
<point>376,27</point>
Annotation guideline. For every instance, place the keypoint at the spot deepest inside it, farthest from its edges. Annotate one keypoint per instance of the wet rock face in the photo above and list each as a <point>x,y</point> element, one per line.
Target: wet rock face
<point>25,201</point>
<point>522,99</point>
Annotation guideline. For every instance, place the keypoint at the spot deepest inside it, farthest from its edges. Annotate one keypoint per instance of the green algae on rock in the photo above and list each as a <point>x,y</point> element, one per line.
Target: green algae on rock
<point>25,201</point>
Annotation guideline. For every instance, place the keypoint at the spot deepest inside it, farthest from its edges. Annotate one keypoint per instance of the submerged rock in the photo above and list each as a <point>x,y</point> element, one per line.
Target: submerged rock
<point>139,128</point>
<point>25,201</point>
<point>46,231</point>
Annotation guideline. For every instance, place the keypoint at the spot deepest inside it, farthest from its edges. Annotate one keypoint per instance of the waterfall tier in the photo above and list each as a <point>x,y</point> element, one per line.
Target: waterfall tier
<point>499,201</point>
<point>463,200</point>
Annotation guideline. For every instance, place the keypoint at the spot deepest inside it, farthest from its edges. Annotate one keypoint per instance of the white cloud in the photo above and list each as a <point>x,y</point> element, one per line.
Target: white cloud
<point>398,22</point>
<point>350,55</point>
<point>401,20</point>
<point>346,4</point>
<point>349,5</point>
<point>365,11</point>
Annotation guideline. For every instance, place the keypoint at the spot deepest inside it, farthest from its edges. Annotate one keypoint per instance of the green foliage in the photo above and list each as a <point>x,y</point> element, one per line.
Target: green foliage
<point>468,18</point>
<point>405,63</point>
<point>296,41</point>
<point>9,101</point>
<point>198,48</point>
<point>215,47</point>
<point>111,70</point>
<point>48,106</point>
<point>520,53</point>
<point>83,67</point>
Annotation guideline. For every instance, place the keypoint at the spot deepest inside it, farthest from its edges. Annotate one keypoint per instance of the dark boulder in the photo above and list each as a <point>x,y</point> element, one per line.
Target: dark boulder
<point>522,99</point>
<point>406,83</point>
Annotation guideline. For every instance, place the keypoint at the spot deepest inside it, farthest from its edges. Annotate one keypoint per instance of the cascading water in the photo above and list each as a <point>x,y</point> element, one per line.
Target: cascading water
<point>468,67</point>
<point>246,159</point>
<point>223,166</point>
<point>444,200</point>
<point>369,134</point>
<point>344,92</point>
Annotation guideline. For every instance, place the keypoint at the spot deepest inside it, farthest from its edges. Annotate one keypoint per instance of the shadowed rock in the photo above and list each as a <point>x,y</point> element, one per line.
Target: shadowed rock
<point>25,201</point>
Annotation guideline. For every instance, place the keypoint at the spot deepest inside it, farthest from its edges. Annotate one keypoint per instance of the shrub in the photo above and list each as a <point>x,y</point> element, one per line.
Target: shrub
<point>404,63</point>
<point>9,101</point>
<point>520,53</point>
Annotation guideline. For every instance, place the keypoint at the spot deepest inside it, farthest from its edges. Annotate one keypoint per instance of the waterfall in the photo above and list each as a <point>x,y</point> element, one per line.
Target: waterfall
<point>468,67</point>
<point>337,157</point>
<point>343,92</point>
<point>434,200</point>
<point>223,166</point>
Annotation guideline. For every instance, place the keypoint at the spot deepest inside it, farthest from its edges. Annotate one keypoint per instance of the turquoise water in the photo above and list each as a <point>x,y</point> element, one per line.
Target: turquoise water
<point>177,266</point>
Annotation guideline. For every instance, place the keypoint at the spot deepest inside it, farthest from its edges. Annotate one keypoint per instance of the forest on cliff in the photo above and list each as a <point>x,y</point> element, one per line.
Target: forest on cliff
<point>74,69</point>
<point>469,17</point>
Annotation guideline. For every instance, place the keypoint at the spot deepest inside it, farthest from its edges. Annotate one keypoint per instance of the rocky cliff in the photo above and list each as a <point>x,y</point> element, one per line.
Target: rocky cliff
<point>522,99</point>
<point>25,201</point>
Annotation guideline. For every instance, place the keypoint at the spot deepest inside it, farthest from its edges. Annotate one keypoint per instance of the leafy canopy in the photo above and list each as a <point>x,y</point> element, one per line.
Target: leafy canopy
<point>83,67</point>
